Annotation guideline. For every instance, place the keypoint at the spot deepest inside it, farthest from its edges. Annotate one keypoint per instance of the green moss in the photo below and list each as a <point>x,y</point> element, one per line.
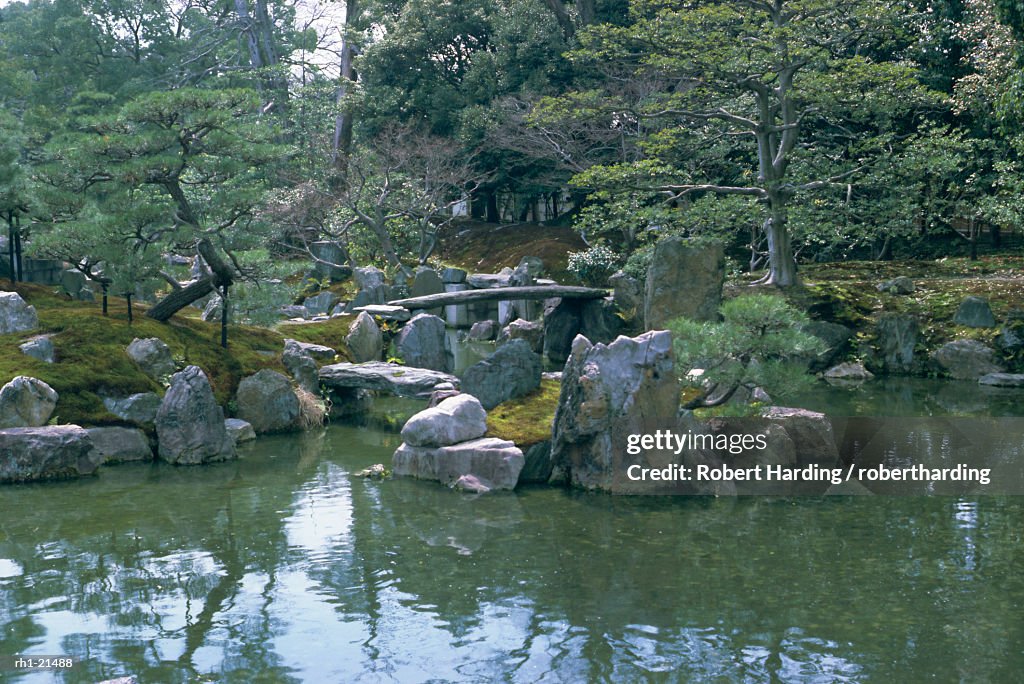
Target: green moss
<point>91,358</point>
<point>330,333</point>
<point>528,420</point>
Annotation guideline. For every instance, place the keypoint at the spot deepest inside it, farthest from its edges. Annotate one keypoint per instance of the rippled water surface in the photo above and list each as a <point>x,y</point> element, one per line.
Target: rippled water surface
<point>284,567</point>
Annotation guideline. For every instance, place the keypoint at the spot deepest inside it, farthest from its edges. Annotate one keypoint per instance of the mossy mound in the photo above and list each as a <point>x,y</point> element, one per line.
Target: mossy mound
<point>330,333</point>
<point>527,420</point>
<point>487,247</point>
<point>91,357</point>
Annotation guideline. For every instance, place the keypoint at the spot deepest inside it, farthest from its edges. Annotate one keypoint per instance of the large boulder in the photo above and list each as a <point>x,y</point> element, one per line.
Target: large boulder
<point>974,312</point>
<point>966,359</point>
<point>897,336</point>
<point>266,401</point>
<point>684,279</point>
<point>16,315</point>
<point>1011,333</point>
<point>329,260</point>
<point>39,347</point>
<point>321,303</point>
<point>835,338</point>
<point>26,402</point>
<point>628,295</point>
<point>811,433</point>
<point>190,424</point>
<point>421,343</point>
<point>301,365</point>
<point>319,352</point>
<point>851,371</point>
<point>426,282</point>
<point>405,381</point>
<point>512,371</point>
<point>610,392</point>
<point>45,453</point>
<point>453,276</point>
<point>483,331</point>
<point>365,339</point>
<point>495,463</point>
<point>239,430</point>
<point>139,408</point>
<point>599,320</point>
<point>532,333</point>
<point>562,322</point>
<point>368,277</point>
<point>153,356</point>
<point>120,445</point>
<point>459,418</point>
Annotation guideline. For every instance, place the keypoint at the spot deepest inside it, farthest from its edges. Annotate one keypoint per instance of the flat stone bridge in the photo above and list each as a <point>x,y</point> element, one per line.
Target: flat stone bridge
<point>535,292</point>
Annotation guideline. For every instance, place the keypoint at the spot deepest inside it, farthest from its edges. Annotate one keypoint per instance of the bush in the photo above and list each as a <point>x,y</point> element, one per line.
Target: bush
<point>759,343</point>
<point>594,266</point>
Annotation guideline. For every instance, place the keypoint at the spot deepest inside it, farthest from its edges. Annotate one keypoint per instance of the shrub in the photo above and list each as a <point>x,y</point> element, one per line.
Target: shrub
<point>594,266</point>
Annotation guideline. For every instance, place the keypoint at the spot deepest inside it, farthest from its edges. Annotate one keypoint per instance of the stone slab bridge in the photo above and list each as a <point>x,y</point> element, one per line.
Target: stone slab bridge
<point>529,292</point>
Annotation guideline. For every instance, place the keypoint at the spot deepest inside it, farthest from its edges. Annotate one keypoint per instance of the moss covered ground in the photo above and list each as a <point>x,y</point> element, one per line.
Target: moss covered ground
<point>528,420</point>
<point>487,248</point>
<point>91,357</point>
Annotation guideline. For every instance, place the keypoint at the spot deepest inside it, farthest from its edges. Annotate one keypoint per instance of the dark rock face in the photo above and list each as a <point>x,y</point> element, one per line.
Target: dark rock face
<point>1011,333</point>
<point>835,337</point>
<point>628,295</point>
<point>519,329</point>
<point>421,343</point>
<point>562,322</point>
<point>974,312</point>
<point>483,331</point>
<point>966,359</point>
<point>45,453</point>
<point>609,393</point>
<point>512,371</point>
<point>190,424</point>
<point>320,304</point>
<point>683,280</point>
<point>897,336</point>
<point>266,401</point>
<point>301,365</point>
<point>598,320</point>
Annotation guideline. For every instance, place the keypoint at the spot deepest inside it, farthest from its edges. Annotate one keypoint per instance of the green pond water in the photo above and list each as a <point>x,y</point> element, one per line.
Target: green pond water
<point>283,566</point>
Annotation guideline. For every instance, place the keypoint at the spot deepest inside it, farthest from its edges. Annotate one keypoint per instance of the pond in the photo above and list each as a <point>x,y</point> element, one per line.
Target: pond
<point>284,567</point>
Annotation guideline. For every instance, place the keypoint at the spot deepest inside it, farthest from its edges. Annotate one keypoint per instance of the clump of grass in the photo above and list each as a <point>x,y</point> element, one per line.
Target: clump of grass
<point>313,410</point>
<point>527,420</point>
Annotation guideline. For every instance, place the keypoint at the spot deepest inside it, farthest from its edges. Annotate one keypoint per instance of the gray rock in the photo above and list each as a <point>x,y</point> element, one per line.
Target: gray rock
<point>608,393</point>
<point>301,365</point>
<point>483,331</point>
<point>190,424</point>
<point>1002,380</point>
<point>26,402</point>
<point>212,310</point>
<point>40,347</point>
<point>334,256</point>
<point>684,279</point>
<point>295,311</point>
<point>966,359</point>
<point>374,296</point>
<point>453,276</point>
<point>456,419</point>
<point>440,393</point>
<point>239,430</point>
<point>140,408</point>
<point>319,352</point>
<point>364,339</point>
<point>45,453</point>
<point>368,277</point>
<point>532,333</point>
<point>321,303</point>
<point>16,315</point>
<point>266,400</point>
<point>483,281</point>
<point>811,432</point>
<point>628,295</point>
<point>494,461</point>
<point>849,371</point>
<point>512,371</point>
<point>153,357</point>
<point>119,445</point>
<point>471,484</point>
<point>901,285</point>
<point>562,322</point>
<point>395,378</point>
<point>426,282</point>
<point>76,284</point>
<point>897,336</point>
<point>386,312</point>
<point>1011,334</point>
<point>974,312</point>
<point>421,343</point>
<point>835,337</point>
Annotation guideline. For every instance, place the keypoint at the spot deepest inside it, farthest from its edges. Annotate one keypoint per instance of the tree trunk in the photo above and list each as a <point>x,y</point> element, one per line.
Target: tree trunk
<point>492,208</point>
<point>128,298</point>
<point>10,246</point>
<point>179,299</point>
<point>105,287</point>
<point>781,265</point>
<point>973,228</point>
<point>342,144</point>
<point>224,317</point>
<point>17,249</point>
